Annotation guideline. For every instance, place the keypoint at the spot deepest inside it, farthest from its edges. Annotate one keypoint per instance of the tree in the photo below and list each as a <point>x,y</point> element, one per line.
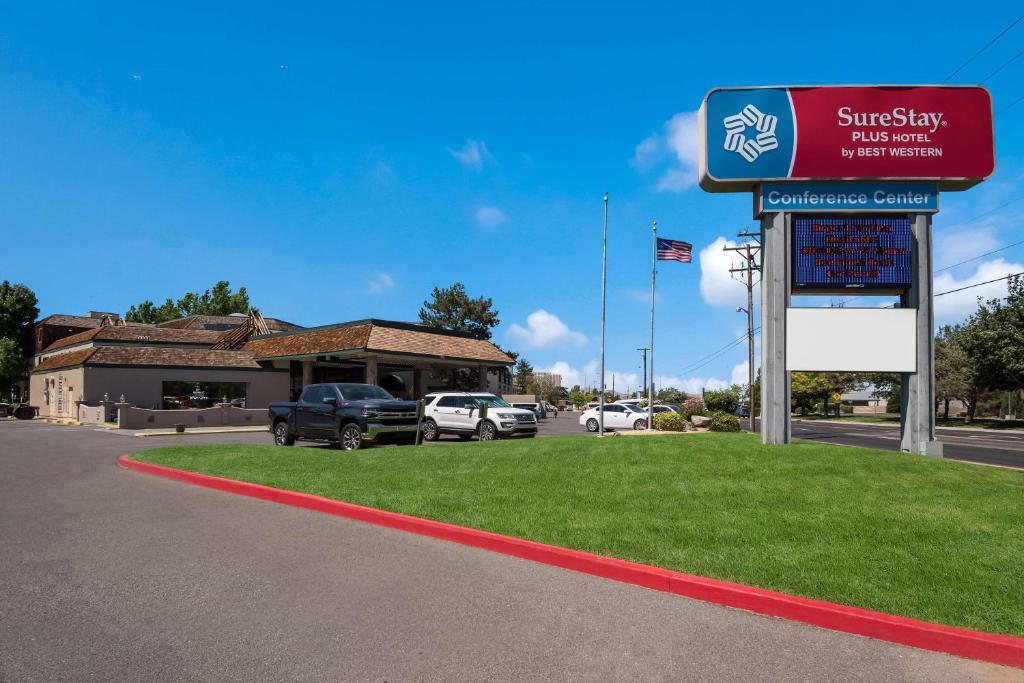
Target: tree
<point>724,400</point>
<point>955,376</point>
<point>218,301</point>
<point>12,363</point>
<point>452,309</point>
<point>806,388</point>
<point>994,340</point>
<point>522,375</point>
<point>18,311</point>
<point>577,397</point>
<point>670,395</point>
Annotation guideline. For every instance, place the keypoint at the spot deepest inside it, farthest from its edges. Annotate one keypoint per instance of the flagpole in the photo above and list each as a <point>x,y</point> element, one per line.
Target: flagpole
<point>604,280</point>
<point>654,270</point>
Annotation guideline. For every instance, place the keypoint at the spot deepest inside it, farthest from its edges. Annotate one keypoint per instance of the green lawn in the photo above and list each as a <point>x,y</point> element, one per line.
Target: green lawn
<point>936,540</point>
<point>978,423</point>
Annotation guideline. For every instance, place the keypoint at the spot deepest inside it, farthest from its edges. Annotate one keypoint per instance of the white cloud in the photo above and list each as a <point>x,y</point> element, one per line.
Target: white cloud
<point>690,385</point>
<point>740,374</point>
<point>677,141</point>
<point>716,283</point>
<point>474,154</point>
<point>381,282</point>
<point>956,243</point>
<point>490,217</point>
<point>545,329</point>
<point>642,295</point>
<point>955,307</point>
<point>590,376</point>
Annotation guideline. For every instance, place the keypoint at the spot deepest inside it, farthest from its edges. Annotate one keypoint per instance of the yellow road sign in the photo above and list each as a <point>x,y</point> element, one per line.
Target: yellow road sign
<point>837,397</point>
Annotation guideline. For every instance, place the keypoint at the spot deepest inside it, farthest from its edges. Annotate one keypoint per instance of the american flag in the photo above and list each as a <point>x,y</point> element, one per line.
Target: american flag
<point>674,250</point>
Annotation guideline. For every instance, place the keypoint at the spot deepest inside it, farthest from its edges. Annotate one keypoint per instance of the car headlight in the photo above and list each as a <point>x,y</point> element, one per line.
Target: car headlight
<point>369,412</point>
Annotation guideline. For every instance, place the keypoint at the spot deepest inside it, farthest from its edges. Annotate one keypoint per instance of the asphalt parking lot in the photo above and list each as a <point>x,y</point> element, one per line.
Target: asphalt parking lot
<point>107,574</point>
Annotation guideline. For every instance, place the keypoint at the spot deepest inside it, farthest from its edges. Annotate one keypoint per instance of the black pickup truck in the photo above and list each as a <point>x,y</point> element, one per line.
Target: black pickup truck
<point>348,415</point>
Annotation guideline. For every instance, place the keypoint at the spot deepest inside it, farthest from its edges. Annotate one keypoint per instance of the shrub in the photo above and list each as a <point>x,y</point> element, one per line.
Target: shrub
<point>721,401</point>
<point>669,422</point>
<point>724,422</point>
<point>692,406</point>
<point>892,406</point>
<point>848,410</point>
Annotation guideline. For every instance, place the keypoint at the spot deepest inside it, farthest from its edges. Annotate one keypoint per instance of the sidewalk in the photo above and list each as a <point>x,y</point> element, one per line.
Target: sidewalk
<point>195,431</point>
<point>1008,430</point>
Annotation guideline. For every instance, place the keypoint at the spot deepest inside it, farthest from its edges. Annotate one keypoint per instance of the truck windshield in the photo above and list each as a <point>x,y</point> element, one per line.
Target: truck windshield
<point>362,392</point>
<point>489,401</point>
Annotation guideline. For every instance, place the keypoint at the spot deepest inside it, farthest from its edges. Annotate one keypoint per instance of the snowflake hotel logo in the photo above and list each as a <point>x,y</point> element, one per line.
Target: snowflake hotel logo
<point>755,143</point>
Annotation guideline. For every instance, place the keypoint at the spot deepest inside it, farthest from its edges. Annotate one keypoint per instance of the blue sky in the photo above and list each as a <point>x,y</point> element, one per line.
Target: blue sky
<point>341,160</point>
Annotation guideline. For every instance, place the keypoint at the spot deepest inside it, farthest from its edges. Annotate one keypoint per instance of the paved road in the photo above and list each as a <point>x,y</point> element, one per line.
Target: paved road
<point>113,575</point>
<point>988,447</point>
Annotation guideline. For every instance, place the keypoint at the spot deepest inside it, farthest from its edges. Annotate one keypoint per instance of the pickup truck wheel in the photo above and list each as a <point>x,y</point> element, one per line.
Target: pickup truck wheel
<point>488,432</point>
<point>282,437</point>
<point>350,438</point>
<point>430,430</point>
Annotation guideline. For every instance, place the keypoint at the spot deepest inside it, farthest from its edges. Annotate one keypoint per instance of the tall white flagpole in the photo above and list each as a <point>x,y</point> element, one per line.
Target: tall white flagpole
<point>654,270</point>
<point>604,279</point>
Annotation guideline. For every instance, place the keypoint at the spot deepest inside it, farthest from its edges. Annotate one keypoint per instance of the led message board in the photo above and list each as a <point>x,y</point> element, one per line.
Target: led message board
<point>839,253</point>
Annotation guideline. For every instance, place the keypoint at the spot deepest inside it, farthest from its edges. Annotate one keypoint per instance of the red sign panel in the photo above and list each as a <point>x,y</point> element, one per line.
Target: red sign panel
<point>942,133</point>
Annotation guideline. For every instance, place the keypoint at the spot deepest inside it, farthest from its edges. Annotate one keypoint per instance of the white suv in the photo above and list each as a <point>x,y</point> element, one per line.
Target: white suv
<point>458,412</point>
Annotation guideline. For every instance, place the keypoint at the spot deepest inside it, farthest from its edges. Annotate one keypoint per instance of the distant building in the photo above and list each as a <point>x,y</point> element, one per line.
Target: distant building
<point>548,379</point>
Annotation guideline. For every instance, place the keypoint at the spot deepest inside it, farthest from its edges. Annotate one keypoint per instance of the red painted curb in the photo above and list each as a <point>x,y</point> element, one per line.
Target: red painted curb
<point>987,647</point>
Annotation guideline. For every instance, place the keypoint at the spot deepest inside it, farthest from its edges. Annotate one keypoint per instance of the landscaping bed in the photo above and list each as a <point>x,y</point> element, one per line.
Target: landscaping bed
<point>914,536</point>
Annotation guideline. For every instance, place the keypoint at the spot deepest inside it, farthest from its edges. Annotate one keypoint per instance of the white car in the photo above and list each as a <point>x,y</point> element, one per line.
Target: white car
<point>616,416</point>
<point>458,412</point>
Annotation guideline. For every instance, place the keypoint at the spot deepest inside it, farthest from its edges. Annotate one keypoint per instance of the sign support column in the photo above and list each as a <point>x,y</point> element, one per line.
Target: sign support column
<point>917,390</point>
<point>775,294</point>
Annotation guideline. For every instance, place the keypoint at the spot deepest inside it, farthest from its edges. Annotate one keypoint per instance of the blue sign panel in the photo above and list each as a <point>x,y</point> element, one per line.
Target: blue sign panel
<point>839,253</point>
<point>919,197</point>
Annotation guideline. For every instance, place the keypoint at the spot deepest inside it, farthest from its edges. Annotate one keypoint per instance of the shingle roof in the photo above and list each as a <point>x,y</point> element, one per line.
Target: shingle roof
<point>64,360</point>
<point>140,335</point>
<point>69,320</point>
<point>344,338</point>
<point>198,322</point>
<point>429,343</point>
<point>378,335</point>
<point>151,356</point>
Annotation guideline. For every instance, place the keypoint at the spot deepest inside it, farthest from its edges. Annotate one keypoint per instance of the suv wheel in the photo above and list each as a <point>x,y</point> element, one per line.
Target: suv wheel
<point>640,424</point>
<point>350,438</point>
<point>488,432</point>
<point>430,430</point>
<point>592,425</point>
<point>281,435</point>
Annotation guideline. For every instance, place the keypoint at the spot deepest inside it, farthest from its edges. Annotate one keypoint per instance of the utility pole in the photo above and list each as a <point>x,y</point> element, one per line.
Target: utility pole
<point>749,251</point>
<point>643,353</point>
<point>604,290</point>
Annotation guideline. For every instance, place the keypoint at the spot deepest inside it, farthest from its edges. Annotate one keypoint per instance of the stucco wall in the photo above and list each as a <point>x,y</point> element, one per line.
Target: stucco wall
<point>143,387</point>
<point>65,387</point>
<point>218,416</point>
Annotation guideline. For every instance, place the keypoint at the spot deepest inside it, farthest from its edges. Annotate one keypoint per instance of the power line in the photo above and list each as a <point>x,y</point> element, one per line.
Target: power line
<point>987,46</point>
<point>979,284</point>
<point>1016,101</point>
<point>975,258</point>
<point>715,355</point>
<point>1002,66</point>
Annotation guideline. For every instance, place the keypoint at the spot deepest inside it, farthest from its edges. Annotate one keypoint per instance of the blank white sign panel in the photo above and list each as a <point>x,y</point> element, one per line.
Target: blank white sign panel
<point>851,339</point>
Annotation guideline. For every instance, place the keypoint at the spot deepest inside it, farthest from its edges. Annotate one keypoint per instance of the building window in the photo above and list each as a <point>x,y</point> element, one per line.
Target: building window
<point>179,395</point>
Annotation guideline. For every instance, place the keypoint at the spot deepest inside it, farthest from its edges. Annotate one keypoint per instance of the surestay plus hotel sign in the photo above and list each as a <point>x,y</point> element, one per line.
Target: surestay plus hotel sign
<point>844,180</point>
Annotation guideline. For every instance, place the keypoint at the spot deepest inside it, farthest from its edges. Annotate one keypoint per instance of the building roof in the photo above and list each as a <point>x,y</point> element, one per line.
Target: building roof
<point>381,336</point>
<point>138,335</point>
<point>200,322</point>
<point>65,320</point>
<point>150,356</point>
